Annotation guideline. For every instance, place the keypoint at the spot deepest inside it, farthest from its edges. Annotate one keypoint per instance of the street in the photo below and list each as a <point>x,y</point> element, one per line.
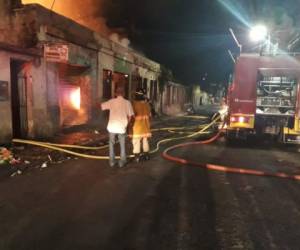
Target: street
<point>85,204</point>
<point>204,97</point>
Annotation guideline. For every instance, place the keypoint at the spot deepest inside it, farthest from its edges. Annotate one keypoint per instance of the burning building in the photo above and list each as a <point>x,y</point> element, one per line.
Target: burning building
<point>54,71</point>
<point>49,70</point>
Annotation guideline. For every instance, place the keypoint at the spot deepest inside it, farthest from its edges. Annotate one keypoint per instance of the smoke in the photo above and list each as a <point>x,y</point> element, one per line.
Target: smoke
<point>87,12</point>
<point>283,25</point>
<point>117,38</point>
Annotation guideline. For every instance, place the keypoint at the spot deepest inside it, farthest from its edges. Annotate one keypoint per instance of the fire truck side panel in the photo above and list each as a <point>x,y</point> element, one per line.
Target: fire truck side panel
<point>242,95</point>
<point>243,92</point>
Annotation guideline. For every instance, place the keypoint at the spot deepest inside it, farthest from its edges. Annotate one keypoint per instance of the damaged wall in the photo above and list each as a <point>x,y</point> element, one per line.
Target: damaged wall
<point>36,112</point>
<point>80,71</point>
<point>14,29</point>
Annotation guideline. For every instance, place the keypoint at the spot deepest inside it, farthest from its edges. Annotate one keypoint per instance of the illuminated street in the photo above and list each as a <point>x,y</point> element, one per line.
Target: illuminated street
<point>85,204</point>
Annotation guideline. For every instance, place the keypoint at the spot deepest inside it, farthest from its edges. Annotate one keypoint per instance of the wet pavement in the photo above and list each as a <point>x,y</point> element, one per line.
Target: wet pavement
<point>85,204</point>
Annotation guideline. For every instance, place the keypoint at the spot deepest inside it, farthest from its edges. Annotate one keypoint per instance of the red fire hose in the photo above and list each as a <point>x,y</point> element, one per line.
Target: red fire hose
<point>220,168</point>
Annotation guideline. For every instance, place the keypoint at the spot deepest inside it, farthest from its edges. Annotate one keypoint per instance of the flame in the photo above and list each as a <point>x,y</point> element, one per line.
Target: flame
<point>75,97</point>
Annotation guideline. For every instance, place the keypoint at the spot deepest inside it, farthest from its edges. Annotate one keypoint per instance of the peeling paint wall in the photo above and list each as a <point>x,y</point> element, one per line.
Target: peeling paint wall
<point>36,113</point>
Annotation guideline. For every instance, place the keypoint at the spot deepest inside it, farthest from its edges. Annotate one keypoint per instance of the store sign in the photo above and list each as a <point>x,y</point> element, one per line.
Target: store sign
<point>56,52</point>
<point>3,91</point>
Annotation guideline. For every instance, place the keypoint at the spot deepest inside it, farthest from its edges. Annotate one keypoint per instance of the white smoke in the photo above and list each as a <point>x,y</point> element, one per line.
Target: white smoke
<point>115,37</point>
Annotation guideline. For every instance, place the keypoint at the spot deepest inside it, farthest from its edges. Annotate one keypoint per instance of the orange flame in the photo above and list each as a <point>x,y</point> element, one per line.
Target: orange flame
<point>75,97</point>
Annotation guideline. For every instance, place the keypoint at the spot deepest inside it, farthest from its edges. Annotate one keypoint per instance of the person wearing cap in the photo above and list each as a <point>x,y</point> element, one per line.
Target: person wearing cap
<point>141,127</point>
<point>121,112</point>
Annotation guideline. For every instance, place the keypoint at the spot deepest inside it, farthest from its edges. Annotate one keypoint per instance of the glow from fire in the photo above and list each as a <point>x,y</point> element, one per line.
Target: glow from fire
<point>87,12</point>
<point>75,97</point>
<point>45,3</point>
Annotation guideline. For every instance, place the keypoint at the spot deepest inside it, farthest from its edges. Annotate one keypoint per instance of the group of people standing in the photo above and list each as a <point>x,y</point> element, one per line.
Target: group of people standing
<point>128,118</point>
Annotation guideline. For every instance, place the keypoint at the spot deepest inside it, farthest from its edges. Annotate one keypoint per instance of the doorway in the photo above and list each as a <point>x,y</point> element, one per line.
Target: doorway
<point>18,99</point>
<point>122,80</point>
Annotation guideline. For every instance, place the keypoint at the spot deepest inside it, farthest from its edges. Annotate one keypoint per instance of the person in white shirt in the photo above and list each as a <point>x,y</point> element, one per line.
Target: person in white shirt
<point>120,114</point>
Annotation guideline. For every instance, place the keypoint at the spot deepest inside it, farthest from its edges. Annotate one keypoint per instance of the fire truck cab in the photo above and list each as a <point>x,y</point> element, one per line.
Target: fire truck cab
<point>264,98</point>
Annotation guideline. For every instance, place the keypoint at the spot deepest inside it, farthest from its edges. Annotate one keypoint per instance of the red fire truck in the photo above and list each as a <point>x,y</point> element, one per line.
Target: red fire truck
<point>264,98</point>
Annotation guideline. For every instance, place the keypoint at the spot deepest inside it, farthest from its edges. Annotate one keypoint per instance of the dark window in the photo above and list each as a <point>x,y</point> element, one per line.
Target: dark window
<point>169,95</point>
<point>145,85</point>
<point>107,82</point>
<point>151,89</point>
<point>155,91</point>
<point>140,82</point>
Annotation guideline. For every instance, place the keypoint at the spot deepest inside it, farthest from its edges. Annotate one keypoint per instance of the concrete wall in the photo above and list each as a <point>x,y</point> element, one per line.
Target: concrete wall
<point>5,106</point>
<point>41,122</point>
<point>36,96</point>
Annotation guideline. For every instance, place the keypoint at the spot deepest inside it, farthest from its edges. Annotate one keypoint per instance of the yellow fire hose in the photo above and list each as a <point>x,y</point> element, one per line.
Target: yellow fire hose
<point>195,116</point>
<point>65,145</point>
<point>177,128</point>
<point>201,131</point>
<point>170,130</point>
<point>61,147</point>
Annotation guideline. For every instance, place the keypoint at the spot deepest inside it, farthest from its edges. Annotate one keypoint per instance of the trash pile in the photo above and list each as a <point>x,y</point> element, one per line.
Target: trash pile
<point>6,157</point>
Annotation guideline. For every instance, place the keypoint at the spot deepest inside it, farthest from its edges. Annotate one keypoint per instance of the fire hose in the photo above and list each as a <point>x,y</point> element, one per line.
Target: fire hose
<point>63,147</point>
<point>166,153</point>
<point>234,170</point>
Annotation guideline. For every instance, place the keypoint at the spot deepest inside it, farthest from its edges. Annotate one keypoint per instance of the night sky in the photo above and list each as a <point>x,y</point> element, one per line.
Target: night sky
<point>191,37</point>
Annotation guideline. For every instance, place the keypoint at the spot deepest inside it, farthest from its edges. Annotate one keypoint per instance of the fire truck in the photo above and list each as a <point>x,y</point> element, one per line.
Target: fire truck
<point>264,98</point>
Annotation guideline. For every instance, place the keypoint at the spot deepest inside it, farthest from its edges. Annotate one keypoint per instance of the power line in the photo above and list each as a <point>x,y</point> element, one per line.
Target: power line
<point>53,4</point>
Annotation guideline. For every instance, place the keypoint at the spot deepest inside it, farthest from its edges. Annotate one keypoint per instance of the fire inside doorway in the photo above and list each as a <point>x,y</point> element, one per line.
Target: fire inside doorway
<point>74,95</point>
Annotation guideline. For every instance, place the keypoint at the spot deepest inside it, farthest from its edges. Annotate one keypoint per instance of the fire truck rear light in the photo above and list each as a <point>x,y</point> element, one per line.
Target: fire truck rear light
<point>239,119</point>
<point>233,119</point>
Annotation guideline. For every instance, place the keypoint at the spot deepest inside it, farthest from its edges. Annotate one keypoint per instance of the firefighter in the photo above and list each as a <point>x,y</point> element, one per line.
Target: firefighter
<point>141,126</point>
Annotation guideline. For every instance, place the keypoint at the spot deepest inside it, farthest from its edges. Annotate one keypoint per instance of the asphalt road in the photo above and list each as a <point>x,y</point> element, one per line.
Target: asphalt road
<point>85,204</point>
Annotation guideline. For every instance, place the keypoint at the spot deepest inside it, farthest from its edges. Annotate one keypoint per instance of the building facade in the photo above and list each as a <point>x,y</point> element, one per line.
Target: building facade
<point>54,72</point>
<point>174,98</point>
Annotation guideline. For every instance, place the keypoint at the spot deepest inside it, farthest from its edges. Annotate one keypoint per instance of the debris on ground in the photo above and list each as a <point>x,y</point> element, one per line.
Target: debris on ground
<point>19,172</point>
<point>44,165</point>
<point>50,158</point>
<point>20,159</point>
<point>6,157</point>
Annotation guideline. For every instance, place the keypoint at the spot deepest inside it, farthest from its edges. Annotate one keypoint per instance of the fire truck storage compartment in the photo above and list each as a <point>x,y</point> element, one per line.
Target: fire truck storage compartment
<point>276,100</point>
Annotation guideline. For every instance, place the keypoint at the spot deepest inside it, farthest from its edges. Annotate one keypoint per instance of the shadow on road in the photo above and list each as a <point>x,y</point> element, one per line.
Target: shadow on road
<point>178,214</point>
